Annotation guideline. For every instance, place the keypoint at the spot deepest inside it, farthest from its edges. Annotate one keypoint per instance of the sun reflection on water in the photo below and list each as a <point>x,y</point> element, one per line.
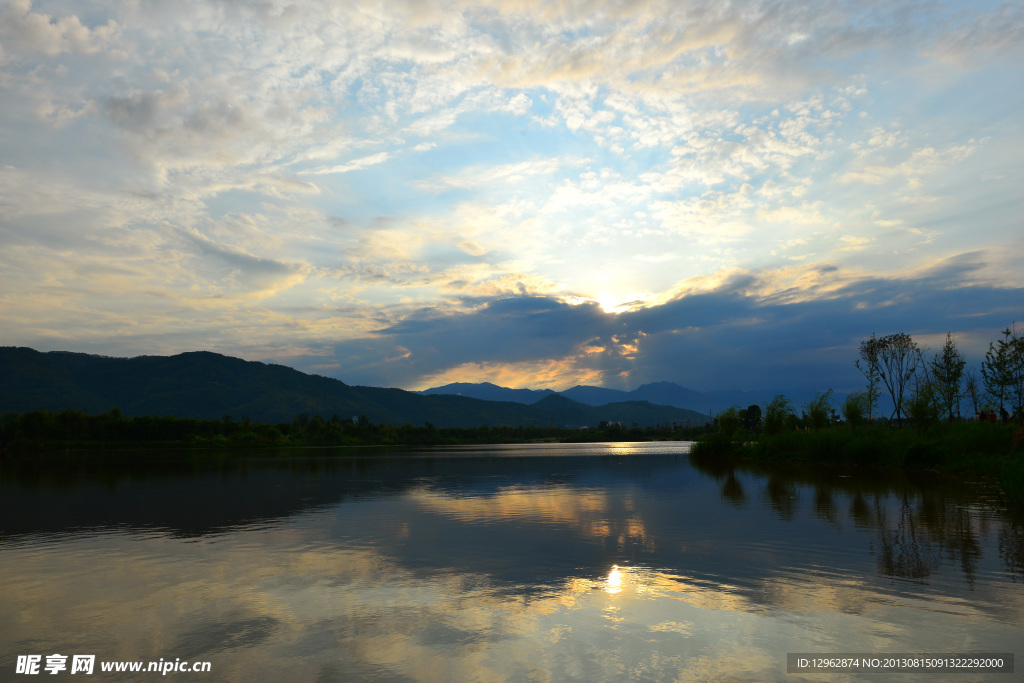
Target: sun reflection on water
<point>634,580</point>
<point>614,580</point>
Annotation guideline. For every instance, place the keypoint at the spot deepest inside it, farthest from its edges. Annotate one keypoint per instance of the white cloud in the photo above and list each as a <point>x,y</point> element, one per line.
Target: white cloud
<point>21,29</point>
<point>354,165</point>
<point>526,143</point>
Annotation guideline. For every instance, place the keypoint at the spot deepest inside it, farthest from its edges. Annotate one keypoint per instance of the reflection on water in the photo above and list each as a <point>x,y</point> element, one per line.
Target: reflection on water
<point>509,563</point>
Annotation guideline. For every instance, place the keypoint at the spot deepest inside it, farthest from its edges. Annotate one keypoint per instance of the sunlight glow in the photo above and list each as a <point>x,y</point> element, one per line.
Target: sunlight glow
<point>607,302</point>
<point>321,190</point>
<point>614,580</point>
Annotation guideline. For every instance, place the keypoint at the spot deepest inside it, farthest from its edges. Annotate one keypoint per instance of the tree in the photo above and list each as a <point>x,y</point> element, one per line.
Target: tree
<point>998,367</point>
<point>777,414</point>
<point>1017,371</point>
<point>729,420</point>
<point>751,417</point>
<point>948,372</point>
<point>922,408</point>
<point>972,388</point>
<point>894,359</point>
<point>870,366</point>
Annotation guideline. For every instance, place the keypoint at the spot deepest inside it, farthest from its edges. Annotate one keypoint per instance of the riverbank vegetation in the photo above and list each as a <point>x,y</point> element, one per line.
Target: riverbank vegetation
<point>43,430</point>
<point>927,427</point>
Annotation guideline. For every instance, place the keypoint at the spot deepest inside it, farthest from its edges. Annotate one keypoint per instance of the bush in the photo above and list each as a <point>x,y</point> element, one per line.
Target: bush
<point>729,421</point>
<point>854,408</point>
<point>777,415</point>
<point>715,444</point>
<point>818,409</point>
<point>922,408</point>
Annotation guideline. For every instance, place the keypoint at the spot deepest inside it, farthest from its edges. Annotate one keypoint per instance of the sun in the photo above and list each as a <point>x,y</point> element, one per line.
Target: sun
<point>608,302</point>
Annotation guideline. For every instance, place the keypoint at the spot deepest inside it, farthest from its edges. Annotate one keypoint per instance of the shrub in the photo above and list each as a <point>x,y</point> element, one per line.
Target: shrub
<point>817,410</point>
<point>729,421</point>
<point>922,408</point>
<point>777,414</point>
<point>854,408</point>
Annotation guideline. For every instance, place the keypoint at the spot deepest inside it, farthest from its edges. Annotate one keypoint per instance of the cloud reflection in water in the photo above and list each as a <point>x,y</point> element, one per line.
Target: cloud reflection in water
<point>514,569</point>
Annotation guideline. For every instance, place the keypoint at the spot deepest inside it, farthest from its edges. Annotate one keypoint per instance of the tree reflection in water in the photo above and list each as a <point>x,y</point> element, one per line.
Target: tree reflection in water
<point>1011,548</point>
<point>732,491</point>
<point>905,553</point>
<point>918,518</point>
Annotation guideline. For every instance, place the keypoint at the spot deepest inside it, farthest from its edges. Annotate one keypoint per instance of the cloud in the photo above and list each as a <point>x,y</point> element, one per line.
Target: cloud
<point>971,41</point>
<point>921,162</point>
<point>748,331</point>
<point>317,171</point>
<point>478,177</point>
<point>140,112</point>
<point>245,273</point>
<point>354,165</point>
<point>21,29</point>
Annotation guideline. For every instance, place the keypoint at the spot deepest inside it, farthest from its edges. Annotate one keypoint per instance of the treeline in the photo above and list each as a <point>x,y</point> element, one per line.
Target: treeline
<point>927,394</point>
<point>43,429</point>
<point>928,390</point>
<point>922,391</point>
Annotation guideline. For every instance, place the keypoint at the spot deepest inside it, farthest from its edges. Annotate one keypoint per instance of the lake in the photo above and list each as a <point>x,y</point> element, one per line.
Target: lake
<point>540,562</point>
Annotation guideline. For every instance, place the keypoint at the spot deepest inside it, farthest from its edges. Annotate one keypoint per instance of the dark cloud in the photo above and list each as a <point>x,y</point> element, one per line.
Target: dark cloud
<point>729,337</point>
<point>507,330</point>
<point>140,111</point>
<point>248,270</point>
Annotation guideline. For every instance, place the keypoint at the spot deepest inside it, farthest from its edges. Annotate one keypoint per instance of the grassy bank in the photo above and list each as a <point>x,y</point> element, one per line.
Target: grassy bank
<point>970,448</point>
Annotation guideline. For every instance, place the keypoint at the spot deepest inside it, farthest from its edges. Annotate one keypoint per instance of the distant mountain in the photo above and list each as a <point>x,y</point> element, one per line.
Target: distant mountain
<point>208,385</point>
<point>490,392</point>
<point>671,394</point>
<point>595,396</point>
<point>657,393</point>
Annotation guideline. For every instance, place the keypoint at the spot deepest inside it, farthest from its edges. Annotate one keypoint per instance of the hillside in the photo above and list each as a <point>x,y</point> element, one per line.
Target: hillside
<point>207,385</point>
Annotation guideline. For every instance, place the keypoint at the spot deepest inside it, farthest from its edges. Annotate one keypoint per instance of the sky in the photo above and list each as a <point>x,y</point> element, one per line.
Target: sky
<point>535,193</point>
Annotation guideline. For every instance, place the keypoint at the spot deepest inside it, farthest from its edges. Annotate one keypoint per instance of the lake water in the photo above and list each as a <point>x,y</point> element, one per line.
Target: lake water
<point>595,562</point>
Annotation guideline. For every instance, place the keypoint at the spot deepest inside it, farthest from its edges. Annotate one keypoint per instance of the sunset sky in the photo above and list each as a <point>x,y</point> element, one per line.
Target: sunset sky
<point>529,192</point>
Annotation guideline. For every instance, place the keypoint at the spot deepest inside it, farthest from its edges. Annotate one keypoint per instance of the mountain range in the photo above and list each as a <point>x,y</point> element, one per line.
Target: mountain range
<point>206,385</point>
<point>660,393</point>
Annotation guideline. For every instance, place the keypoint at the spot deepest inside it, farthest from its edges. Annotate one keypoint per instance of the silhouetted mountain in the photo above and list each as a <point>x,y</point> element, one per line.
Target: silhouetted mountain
<point>671,394</point>
<point>595,396</point>
<point>208,385</point>
<point>657,393</point>
<point>490,392</point>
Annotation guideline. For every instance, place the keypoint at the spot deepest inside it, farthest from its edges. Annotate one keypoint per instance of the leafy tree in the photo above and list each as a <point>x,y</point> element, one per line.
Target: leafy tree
<point>751,417</point>
<point>315,425</point>
<point>898,359</point>
<point>729,420</point>
<point>870,365</point>
<point>998,367</point>
<point>948,371</point>
<point>1017,371</point>
<point>777,414</point>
